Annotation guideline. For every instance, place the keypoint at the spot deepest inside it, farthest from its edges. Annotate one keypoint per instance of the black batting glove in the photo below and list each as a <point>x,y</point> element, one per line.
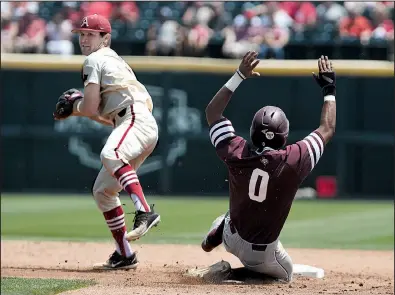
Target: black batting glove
<point>326,78</point>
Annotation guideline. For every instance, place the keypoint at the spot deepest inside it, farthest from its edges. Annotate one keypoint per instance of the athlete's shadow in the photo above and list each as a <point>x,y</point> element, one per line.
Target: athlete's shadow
<point>250,277</point>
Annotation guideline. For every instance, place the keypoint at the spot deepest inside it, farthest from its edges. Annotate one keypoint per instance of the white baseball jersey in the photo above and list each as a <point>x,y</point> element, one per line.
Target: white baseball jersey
<point>119,86</point>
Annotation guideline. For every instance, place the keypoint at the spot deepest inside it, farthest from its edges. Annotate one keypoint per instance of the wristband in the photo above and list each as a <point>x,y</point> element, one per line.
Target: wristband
<point>235,81</point>
<point>329,98</point>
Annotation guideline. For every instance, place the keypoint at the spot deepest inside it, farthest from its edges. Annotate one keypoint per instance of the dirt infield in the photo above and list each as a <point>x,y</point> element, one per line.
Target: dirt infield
<point>161,267</point>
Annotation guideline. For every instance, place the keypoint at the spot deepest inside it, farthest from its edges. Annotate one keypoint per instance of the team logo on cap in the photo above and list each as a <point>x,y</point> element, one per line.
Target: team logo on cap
<point>85,22</point>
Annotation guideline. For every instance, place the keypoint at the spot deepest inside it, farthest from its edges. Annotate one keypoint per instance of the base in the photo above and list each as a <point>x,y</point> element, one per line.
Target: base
<point>308,271</point>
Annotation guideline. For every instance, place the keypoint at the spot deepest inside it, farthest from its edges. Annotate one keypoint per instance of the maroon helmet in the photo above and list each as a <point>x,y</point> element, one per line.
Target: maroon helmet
<point>269,128</point>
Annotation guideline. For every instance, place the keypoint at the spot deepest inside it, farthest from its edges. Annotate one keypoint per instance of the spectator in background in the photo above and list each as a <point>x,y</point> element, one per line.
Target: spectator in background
<point>196,19</point>
<point>103,8</point>
<point>304,19</point>
<point>127,12</point>
<point>198,32</point>
<point>274,40</point>
<point>384,26</point>
<point>197,39</point>
<point>6,10</point>
<point>355,26</point>
<point>360,7</point>
<point>165,36</point>
<point>19,9</point>
<point>239,38</point>
<point>196,10</point>
<point>221,17</point>
<point>304,14</point>
<point>9,27</point>
<point>72,13</point>
<point>201,21</point>
<point>330,12</point>
<point>278,15</point>
<point>59,35</point>
<point>31,32</point>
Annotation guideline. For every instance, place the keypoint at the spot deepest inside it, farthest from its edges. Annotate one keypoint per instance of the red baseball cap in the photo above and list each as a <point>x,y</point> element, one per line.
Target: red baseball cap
<point>94,23</point>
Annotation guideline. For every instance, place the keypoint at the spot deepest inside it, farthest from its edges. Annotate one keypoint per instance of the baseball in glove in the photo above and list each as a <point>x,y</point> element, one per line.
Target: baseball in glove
<point>64,106</point>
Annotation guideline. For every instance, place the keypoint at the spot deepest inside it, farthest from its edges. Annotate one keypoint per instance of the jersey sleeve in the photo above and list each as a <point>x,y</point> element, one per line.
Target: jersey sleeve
<point>304,155</point>
<point>227,144</point>
<point>91,71</point>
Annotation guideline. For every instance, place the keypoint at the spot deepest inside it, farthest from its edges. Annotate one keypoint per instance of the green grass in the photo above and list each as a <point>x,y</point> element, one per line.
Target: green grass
<point>24,286</point>
<point>311,224</point>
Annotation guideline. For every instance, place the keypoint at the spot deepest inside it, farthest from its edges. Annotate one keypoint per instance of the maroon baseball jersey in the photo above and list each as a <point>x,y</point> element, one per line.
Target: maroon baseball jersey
<point>263,185</point>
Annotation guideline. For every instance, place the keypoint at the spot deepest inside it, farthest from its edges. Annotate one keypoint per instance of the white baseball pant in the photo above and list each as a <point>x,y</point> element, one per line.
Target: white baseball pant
<point>270,259</point>
<point>133,139</point>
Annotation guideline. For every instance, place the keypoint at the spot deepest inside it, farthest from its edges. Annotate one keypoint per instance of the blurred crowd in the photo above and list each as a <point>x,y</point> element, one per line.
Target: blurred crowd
<point>186,28</point>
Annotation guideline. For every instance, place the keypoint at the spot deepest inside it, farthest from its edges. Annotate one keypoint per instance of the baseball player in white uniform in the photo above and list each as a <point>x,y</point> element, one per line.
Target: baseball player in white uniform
<point>114,96</point>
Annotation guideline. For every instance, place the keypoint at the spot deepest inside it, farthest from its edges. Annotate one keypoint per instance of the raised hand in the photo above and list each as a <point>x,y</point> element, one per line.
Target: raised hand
<point>248,64</point>
<point>326,78</point>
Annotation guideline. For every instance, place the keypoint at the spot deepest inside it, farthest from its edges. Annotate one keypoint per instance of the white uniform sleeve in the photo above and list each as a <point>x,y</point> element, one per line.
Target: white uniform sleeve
<point>92,71</point>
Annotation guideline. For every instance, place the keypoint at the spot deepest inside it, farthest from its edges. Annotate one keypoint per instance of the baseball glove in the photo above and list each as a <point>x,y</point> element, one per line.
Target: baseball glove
<point>64,106</point>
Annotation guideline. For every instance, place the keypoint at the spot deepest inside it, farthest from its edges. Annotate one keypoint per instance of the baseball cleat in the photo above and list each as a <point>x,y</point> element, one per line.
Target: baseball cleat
<point>143,222</point>
<point>118,261</point>
<point>214,237</point>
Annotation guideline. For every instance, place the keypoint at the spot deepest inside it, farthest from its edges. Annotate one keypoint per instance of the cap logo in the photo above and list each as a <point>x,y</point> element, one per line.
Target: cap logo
<point>85,23</point>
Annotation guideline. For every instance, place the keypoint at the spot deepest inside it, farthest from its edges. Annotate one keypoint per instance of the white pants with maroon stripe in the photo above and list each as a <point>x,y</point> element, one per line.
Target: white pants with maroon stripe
<point>270,259</point>
<point>133,139</point>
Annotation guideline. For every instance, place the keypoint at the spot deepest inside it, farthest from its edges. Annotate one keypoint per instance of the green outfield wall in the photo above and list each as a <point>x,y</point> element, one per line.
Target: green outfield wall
<point>39,154</point>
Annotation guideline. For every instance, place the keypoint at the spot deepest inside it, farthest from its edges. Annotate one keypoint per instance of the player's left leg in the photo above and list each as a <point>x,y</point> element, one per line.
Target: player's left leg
<point>106,194</point>
<point>214,236</point>
<point>143,221</point>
